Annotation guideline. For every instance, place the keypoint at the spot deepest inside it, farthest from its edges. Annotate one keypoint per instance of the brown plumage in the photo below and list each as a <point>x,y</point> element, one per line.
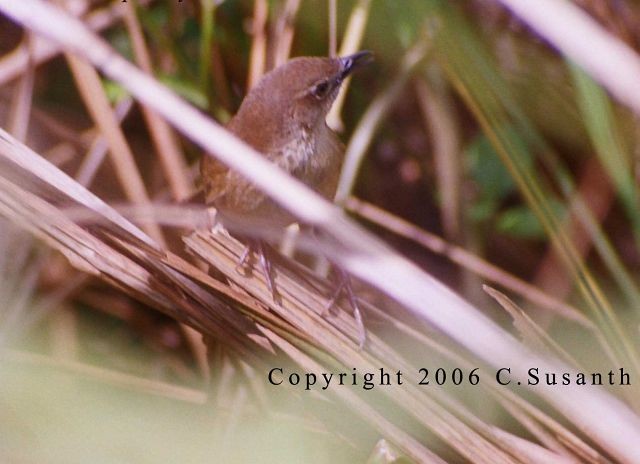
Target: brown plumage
<point>283,117</point>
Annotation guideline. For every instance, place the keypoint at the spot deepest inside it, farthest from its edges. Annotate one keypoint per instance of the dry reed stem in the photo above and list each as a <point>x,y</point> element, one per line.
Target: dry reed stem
<point>604,57</point>
<point>466,259</point>
<point>258,54</point>
<point>282,38</point>
<point>90,87</point>
<point>183,216</point>
<point>204,245</point>
<point>441,125</point>
<point>607,420</point>
<point>164,141</point>
<point>351,43</point>
<point>502,395</point>
<point>530,332</point>
<point>90,254</point>
<point>595,191</point>
<point>562,434</point>
<point>61,131</point>
<point>373,117</point>
<point>199,305</point>
<point>302,305</point>
<point>99,147</point>
<point>527,451</point>
<point>16,63</point>
<point>20,111</point>
<point>333,28</point>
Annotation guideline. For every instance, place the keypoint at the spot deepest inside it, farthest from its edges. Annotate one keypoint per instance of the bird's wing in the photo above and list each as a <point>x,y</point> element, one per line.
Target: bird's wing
<point>213,175</point>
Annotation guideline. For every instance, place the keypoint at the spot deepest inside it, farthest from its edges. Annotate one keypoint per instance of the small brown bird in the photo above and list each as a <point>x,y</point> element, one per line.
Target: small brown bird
<point>283,117</point>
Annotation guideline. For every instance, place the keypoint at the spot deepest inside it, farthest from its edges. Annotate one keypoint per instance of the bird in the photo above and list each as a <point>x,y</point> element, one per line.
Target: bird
<point>283,118</point>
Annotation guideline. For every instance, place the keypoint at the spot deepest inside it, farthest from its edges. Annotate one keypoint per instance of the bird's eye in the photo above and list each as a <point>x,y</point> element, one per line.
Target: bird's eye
<point>320,90</point>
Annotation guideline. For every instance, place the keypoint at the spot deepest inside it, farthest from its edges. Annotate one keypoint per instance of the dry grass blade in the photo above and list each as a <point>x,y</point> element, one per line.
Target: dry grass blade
<point>99,148</point>
<point>531,332</point>
<point>95,99</point>
<point>531,453</point>
<point>162,287</point>
<point>19,155</point>
<point>607,59</point>
<point>303,305</point>
<point>164,141</point>
<point>466,259</point>
<point>20,114</point>
<point>258,56</point>
<point>373,117</point>
<point>17,62</point>
<point>436,106</point>
<point>350,44</point>
<point>596,192</point>
<point>83,250</point>
<point>549,432</point>
<point>284,31</point>
<point>333,28</point>
<point>165,290</point>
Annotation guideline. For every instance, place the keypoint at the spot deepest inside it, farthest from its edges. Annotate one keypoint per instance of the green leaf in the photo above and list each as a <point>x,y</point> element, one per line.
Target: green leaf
<point>187,90</point>
<point>486,169</point>
<point>115,92</point>
<point>520,222</point>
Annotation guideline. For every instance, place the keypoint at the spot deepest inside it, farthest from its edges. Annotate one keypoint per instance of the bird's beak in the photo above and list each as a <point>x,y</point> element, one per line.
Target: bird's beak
<point>350,63</point>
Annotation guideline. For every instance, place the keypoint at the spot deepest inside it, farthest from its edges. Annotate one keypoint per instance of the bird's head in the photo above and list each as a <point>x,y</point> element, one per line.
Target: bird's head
<point>299,94</point>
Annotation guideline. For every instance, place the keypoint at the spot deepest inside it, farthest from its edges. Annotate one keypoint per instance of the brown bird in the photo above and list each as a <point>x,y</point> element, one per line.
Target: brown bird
<point>283,117</point>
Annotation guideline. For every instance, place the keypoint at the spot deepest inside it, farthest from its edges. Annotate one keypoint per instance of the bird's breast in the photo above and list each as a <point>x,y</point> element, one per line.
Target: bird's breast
<point>313,158</point>
<point>297,154</point>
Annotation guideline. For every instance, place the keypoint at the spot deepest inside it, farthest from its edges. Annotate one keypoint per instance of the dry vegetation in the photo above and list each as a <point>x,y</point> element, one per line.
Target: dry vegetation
<point>491,145</point>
